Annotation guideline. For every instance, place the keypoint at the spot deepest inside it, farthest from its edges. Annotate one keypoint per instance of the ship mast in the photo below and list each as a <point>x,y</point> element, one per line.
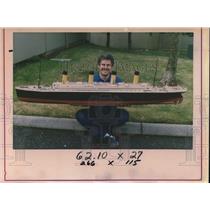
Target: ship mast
<point>39,78</point>
<point>156,67</point>
<point>40,59</point>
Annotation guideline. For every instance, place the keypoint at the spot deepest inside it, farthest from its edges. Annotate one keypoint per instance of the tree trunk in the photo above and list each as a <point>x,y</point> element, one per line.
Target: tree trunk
<point>107,40</point>
<point>169,76</point>
<point>129,41</point>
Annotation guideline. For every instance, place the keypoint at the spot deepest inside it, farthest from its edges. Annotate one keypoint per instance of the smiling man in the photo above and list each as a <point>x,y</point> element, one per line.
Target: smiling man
<point>100,120</point>
<point>105,65</point>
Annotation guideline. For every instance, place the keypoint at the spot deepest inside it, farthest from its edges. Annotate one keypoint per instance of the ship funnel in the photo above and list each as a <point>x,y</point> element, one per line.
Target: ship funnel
<point>90,77</point>
<point>64,77</point>
<point>113,77</point>
<point>136,77</point>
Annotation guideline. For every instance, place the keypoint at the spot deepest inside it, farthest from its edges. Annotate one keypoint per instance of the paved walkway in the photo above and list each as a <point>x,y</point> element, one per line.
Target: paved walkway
<point>32,132</point>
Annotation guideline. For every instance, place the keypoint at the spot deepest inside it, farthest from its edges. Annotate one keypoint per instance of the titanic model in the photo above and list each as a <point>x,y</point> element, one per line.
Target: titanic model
<point>101,94</point>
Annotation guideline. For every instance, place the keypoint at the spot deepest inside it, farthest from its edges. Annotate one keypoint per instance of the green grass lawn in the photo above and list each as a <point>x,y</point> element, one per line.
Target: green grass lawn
<point>84,59</point>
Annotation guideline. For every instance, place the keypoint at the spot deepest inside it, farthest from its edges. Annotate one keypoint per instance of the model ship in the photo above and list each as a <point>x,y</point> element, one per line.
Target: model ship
<point>101,94</point>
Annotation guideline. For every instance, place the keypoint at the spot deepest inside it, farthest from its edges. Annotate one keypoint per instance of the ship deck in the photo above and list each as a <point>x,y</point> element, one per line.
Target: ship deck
<point>103,87</point>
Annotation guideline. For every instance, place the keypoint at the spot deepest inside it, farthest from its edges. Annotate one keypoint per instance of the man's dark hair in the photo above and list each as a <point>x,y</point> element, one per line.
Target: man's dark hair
<point>106,57</point>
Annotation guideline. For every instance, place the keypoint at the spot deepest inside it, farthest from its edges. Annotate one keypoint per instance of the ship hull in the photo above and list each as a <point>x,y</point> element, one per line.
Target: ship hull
<point>99,99</point>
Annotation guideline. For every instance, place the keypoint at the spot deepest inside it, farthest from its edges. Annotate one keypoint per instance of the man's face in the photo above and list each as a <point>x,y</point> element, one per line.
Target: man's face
<point>105,67</point>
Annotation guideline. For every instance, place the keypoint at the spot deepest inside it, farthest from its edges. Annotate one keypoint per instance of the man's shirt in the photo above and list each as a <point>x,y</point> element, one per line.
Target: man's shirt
<point>97,78</point>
